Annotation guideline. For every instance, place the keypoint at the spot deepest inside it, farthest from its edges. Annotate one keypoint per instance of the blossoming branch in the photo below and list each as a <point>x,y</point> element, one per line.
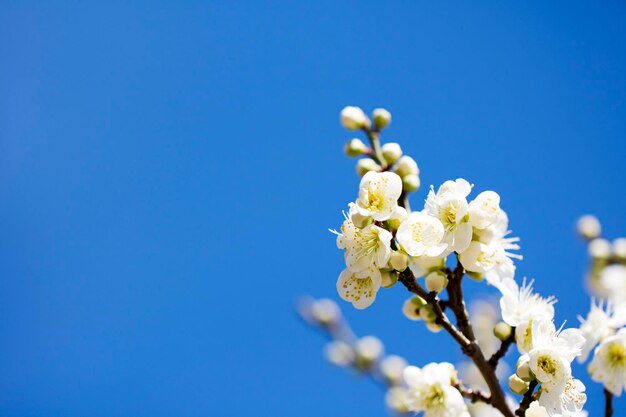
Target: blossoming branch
<point>429,252</point>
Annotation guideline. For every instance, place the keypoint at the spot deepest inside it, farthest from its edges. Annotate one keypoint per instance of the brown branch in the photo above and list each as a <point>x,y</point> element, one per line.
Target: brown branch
<point>526,400</point>
<point>608,403</point>
<point>504,347</point>
<point>473,395</point>
<point>457,304</point>
<point>465,338</point>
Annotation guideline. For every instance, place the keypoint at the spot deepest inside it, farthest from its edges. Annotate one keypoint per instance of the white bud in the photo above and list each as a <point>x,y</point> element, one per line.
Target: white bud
<point>355,147</point>
<point>365,165</point>
<point>406,166</point>
<point>502,331</point>
<point>589,227</point>
<point>325,311</point>
<point>339,353</point>
<point>619,247</point>
<point>411,183</point>
<point>536,410</point>
<point>433,327</point>
<point>382,118</point>
<point>353,118</point>
<point>411,308</point>
<point>600,248</point>
<point>397,400</point>
<point>517,385</point>
<point>399,260</point>
<point>389,278</point>
<point>427,314</point>
<point>436,281</point>
<point>523,369</point>
<point>368,350</point>
<point>391,367</point>
<point>391,152</point>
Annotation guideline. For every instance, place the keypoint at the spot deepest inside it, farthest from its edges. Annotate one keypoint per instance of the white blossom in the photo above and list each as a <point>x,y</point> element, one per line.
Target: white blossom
<point>421,234</point>
<point>489,259</point>
<point>423,265</point>
<point>378,194</point>
<point>608,365</point>
<point>359,288</point>
<point>430,391</point>
<point>392,368</point>
<point>364,247</point>
<point>602,321</point>
<point>521,304</point>
<point>484,210</point>
<point>563,401</point>
<point>450,206</point>
<point>552,354</point>
<point>589,226</point>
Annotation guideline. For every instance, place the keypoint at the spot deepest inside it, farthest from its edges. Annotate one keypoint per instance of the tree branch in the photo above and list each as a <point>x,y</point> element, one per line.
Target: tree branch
<point>608,403</point>
<point>526,400</point>
<point>473,395</point>
<point>468,345</point>
<point>504,347</point>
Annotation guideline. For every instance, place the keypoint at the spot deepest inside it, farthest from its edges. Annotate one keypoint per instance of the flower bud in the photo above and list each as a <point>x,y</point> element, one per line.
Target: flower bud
<point>411,308</point>
<point>396,399</point>
<point>355,147</point>
<point>436,281</point>
<point>589,227</point>
<point>339,353</point>
<point>382,118</point>
<point>353,118</point>
<point>365,165</point>
<point>619,248</point>
<point>433,327</point>
<point>502,331</point>
<point>517,385</point>
<point>389,278</point>
<point>392,367</point>
<point>600,248</point>
<point>523,369</point>
<point>368,350</point>
<point>391,152</point>
<point>427,313</point>
<point>410,183</point>
<point>325,311</point>
<point>399,260</point>
<point>406,166</point>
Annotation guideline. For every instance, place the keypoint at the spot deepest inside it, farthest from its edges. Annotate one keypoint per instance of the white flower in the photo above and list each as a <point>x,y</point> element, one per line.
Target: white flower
<point>484,210</point>
<point>488,259</point>
<point>611,283</point>
<point>421,234</point>
<point>359,288</point>
<point>450,206</point>
<point>552,354</point>
<point>364,247</point>
<point>608,365</point>
<point>567,400</point>
<point>589,226</point>
<point>602,321</point>
<point>353,118</point>
<point>396,399</point>
<point>339,353</point>
<point>430,391</point>
<point>378,194</point>
<point>524,333</point>
<point>520,304</point>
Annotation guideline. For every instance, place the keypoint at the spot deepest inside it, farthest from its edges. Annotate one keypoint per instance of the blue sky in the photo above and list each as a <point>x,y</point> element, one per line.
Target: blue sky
<point>168,173</point>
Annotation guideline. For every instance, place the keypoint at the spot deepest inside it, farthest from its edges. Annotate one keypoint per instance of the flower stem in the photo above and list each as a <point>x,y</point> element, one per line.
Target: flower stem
<point>377,153</point>
<point>608,403</point>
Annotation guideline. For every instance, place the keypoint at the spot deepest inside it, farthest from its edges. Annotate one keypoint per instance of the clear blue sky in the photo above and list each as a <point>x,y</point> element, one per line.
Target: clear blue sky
<point>168,173</point>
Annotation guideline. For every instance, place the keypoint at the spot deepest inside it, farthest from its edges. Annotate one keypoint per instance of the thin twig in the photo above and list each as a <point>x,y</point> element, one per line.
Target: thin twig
<point>504,347</point>
<point>473,395</point>
<point>608,403</point>
<point>526,400</point>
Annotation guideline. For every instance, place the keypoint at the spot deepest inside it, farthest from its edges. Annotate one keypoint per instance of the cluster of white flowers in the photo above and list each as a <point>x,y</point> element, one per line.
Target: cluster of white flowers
<point>383,240</point>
